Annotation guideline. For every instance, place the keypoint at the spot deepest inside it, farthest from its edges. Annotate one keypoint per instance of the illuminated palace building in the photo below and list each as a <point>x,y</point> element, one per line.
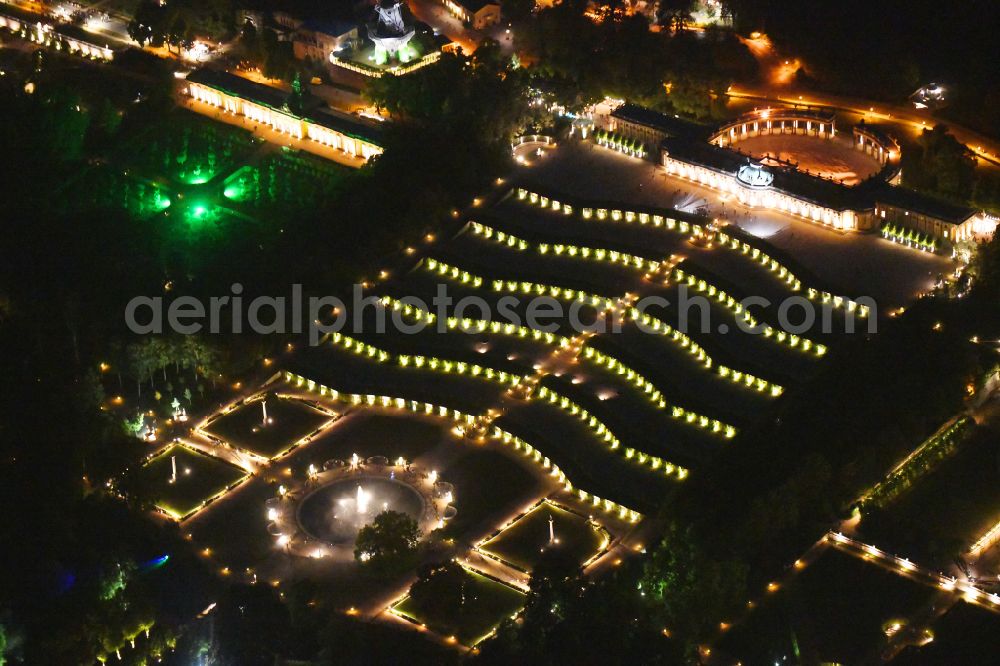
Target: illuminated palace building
<point>710,156</point>
<point>297,114</point>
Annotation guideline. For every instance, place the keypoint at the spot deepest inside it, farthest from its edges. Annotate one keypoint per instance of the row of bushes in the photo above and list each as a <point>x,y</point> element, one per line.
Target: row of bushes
<point>746,379</point>
<point>646,320</point>
<point>655,396</point>
<point>572,251</point>
<point>457,367</point>
<point>445,366</point>
<point>730,303</point>
<point>613,256</point>
<point>726,240</point>
<point>651,323</point>
<point>522,286</point>
<point>620,143</point>
<point>602,431</point>
<point>468,325</point>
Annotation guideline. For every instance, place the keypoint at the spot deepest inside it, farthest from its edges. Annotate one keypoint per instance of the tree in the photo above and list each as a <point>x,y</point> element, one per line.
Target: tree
<point>147,24</point>
<point>986,266</point>
<point>939,164</point>
<point>387,544</point>
<point>556,569</point>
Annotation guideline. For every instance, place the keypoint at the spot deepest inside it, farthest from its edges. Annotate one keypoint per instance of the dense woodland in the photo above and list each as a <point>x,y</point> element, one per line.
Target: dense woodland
<point>82,568</point>
<point>885,50</point>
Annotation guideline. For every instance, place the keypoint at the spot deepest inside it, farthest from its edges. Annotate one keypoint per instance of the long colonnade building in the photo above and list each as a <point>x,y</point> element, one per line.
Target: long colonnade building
<point>306,119</point>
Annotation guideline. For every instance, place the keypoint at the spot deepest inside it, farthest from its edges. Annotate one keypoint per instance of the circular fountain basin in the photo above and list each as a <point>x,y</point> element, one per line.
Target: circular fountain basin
<point>330,513</point>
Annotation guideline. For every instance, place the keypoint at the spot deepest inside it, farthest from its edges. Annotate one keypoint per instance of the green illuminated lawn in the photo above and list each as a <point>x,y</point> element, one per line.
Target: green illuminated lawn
<point>188,149</point>
<point>199,478</point>
<point>523,543</point>
<point>487,604</point>
<point>291,420</point>
<point>284,181</point>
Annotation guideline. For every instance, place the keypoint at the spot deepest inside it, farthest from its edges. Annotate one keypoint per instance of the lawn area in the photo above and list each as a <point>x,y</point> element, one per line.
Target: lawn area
<point>833,611</point>
<point>487,604</point>
<point>199,478</point>
<point>289,421</point>
<point>488,484</point>
<point>523,543</point>
<point>371,433</point>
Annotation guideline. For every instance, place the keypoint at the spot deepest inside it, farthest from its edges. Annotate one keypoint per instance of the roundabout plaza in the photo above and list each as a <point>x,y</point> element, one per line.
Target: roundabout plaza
<point>322,514</point>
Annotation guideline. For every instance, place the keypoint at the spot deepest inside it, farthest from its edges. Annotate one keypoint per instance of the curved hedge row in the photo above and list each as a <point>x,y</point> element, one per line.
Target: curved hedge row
<point>625,259</point>
<point>649,321</point>
<point>446,366</point>
<point>602,431</point>
<point>469,325</point>
<point>420,362</point>
<point>655,396</point>
<point>734,306</point>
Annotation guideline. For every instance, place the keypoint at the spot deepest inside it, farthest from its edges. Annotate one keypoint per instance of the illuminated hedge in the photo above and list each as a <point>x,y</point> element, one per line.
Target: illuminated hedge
<point>685,342</point>
<point>735,244</point>
<point>488,232</point>
<point>603,432</point>
<point>690,229</point>
<point>518,286</point>
<point>734,306</point>
<point>655,396</point>
<point>432,363</point>
<point>521,445</point>
<point>632,261</point>
<point>462,421</point>
<point>468,325</point>
<point>490,374</point>
<point>744,379</point>
<point>620,143</point>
